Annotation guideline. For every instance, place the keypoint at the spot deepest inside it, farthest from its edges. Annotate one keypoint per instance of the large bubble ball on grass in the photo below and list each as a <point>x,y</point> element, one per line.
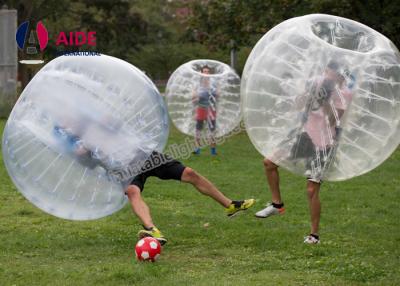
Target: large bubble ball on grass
<point>204,94</point>
<point>79,118</point>
<point>321,97</point>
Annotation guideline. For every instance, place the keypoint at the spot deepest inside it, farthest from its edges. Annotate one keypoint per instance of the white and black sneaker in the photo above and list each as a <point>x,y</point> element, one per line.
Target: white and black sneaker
<point>271,209</point>
<point>311,239</point>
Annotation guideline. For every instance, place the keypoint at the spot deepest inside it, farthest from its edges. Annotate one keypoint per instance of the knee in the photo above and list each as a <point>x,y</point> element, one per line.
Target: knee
<point>132,192</point>
<point>269,165</point>
<point>190,175</point>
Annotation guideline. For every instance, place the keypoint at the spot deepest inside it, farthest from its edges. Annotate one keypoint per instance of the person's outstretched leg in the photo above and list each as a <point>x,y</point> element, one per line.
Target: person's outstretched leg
<point>204,186</point>
<point>139,207</point>
<point>276,207</point>
<point>207,188</point>
<point>315,210</point>
<point>142,211</point>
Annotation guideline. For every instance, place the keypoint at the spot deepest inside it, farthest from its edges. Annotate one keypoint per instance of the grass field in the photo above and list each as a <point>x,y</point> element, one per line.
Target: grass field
<point>360,232</point>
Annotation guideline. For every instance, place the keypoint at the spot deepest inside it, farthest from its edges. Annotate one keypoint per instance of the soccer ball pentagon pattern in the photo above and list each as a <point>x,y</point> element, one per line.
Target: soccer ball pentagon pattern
<point>148,249</point>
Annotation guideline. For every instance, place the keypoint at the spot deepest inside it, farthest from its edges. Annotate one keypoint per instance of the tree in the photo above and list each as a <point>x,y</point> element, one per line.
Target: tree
<point>119,28</point>
<point>382,16</point>
<point>33,11</point>
<point>216,22</point>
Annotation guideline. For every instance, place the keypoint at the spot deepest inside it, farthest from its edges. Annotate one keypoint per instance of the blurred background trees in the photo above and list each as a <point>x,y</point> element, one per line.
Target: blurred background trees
<point>215,23</point>
<point>158,36</point>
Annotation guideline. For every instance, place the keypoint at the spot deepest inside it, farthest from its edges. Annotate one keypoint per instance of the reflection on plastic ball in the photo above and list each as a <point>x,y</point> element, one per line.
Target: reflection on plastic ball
<point>79,118</point>
<point>321,97</point>
<point>203,97</point>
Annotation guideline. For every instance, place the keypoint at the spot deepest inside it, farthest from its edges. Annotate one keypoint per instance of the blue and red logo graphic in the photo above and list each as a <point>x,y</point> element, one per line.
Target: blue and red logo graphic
<point>33,42</point>
<point>41,37</point>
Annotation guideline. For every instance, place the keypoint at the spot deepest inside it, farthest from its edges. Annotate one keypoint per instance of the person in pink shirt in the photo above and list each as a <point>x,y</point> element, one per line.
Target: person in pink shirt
<point>324,104</point>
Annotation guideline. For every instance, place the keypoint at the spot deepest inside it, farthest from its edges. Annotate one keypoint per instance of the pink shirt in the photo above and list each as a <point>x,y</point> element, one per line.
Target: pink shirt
<point>317,126</point>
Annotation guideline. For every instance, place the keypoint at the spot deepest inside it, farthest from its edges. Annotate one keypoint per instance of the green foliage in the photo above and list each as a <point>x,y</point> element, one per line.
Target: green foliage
<point>381,15</point>
<point>146,33</point>
<point>119,27</point>
<point>153,37</point>
<point>220,21</point>
<point>159,61</point>
<point>359,232</point>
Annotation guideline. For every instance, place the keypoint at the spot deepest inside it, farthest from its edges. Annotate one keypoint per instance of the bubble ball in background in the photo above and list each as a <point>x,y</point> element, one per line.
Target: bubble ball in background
<point>214,96</point>
<point>77,119</point>
<point>321,97</point>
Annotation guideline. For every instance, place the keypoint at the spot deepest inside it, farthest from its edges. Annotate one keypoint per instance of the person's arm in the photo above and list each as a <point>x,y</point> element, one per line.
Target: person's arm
<point>331,112</point>
<point>214,96</point>
<point>334,115</point>
<point>307,99</point>
<point>80,149</point>
<point>195,96</point>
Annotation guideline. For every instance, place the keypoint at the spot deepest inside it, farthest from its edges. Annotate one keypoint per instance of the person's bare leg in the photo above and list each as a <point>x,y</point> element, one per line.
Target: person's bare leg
<point>204,186</point>
<point>198,133</point>
<point>211,130</point>
<point>314,204</point>
<point>197,138</point>
<point>272,173</point>
<point>139,207</point>
<point>213,143</point>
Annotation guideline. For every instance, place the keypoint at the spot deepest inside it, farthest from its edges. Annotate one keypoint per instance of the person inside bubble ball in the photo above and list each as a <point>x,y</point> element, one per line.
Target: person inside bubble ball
<point>157,165</point>
<point>323,106</point>
<point>205,101</point>
<point>72,143</point>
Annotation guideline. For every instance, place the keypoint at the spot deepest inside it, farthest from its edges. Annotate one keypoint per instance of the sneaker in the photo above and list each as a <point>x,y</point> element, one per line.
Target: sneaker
<point>269,211</point>
<point>153,232</point>
<point>311,239</point>
<point>196,151</point>
<point>235,207</point>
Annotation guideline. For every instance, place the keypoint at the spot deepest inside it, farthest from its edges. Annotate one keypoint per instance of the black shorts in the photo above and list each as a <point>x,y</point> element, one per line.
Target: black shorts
<point>304,148</point>
<point>170,170</point>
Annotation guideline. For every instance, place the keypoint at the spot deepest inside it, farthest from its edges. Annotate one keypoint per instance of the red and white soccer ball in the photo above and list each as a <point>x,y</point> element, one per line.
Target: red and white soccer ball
<point>148,249</point>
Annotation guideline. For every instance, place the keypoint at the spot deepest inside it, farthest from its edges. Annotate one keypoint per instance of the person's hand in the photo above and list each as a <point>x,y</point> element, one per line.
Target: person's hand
<point>80,149</point>
<point>303,117</point>
<point>195,100</point>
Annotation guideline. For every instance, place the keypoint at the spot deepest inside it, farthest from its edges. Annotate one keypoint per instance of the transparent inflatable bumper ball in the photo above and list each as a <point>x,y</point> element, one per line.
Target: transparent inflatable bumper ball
<point>78,120</point>
<point>203,98</point>
<point>321,97</point>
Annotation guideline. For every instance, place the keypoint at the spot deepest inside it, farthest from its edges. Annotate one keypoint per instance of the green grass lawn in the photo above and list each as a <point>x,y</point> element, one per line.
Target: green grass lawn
<point>360,232</point>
